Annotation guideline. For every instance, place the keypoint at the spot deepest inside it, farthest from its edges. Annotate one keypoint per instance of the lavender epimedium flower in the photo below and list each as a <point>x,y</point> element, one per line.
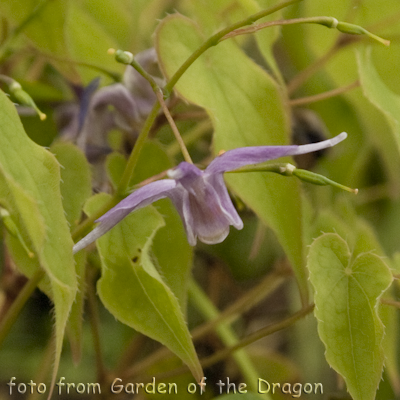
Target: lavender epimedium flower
<point>122,106</point>
<point>200,196</point>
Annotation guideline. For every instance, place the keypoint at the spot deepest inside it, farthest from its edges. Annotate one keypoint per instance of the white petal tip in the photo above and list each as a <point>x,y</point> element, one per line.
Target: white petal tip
<point>337,139</point>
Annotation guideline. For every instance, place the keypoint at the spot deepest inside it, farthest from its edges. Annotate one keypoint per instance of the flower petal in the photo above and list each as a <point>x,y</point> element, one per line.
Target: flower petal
<point>138,199</point>
<point>236,158</point>
<point>218,183</point>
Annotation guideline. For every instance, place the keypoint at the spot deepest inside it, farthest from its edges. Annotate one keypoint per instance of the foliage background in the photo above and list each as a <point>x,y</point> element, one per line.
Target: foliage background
<point>56,48</point>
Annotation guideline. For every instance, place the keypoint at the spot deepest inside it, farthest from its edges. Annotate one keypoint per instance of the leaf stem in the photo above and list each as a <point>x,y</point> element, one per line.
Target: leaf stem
<point>323,96</point>
<point>141,140</point>
<point>329,22</point>
<point>95,323</point>
<point>255,336</point>
<point>311,69</point>
<point>392,303</point>
<point>134,156</point>
<point>270,283</point>
<point>215,39</point>
<point>174,128</point>
<point>225,332</point>
<point>227,351</point>
<point>16,307</point>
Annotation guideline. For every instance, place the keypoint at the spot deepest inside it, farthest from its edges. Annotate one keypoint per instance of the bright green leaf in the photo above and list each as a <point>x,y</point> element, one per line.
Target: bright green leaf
<point>75,320</point>
<point>30,191</point>
<point>378,93</point>
<point>347,291</point>
<point>89,42</point>
<point>132,289</point>
<point>75,179</point>
<point>115,166</point>
<point>46,28</point>
<point>172,252</point>
<point>247,109</point>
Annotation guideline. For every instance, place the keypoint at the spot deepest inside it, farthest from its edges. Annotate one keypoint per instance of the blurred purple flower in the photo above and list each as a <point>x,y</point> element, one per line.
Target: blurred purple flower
<point>122,106</point>
<point>200,196</point>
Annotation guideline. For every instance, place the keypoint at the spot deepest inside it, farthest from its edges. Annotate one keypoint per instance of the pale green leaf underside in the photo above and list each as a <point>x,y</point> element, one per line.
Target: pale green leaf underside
<point>76,184</point>
<point>132,289</point>
<point>30,190</point>
<point>246,109</point>
<point>346,297</point>
<point>378,93</point>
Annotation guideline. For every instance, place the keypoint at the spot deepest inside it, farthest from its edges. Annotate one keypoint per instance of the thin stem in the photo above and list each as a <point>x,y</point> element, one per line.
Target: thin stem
<point>95,323</point>
<point>190,137</point>
<point>212,41</point>
<point>270,283</point>
<point>174,128</point>
<point>310,70</point>
<point>326,21</point>
<point>329,22</point>
<point>392,303</point>
<point>261,333</point>
<point>227,351</point>
<point>215,39</point>
<point>323,96</point>
<point>134,156</point>
<point>225,332</point>
<point>16,307</point>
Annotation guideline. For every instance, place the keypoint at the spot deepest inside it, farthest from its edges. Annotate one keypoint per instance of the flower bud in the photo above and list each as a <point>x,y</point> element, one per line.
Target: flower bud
<point>23,98</point>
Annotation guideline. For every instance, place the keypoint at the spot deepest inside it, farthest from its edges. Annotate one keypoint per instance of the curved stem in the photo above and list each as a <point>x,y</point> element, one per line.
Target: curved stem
<point>261,333</point>
<point>134,156</point>
<point>309,71</point>
<point>95,324</point>
<point>323,96</point>
<point>270,283</point>
<point>16,307</point>
<point>174,128</point>
<point>215,39</point>
<point>212,41</point>
<point>225,332</point>
<point>224,353</point>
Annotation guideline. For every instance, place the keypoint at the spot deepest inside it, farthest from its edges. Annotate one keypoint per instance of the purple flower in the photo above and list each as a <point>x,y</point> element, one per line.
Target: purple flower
<point>201,196</point>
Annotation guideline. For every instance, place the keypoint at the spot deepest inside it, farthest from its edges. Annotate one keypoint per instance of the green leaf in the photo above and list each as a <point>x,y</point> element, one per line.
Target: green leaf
<point>76,185</point>
<point>115,166</point>
<point>30,191</point>
<point>46,28</point>
<point>379,94</point>
<point>132,289</point>
<point>75,320</point>
<point>89,41</point>
<point>172,252</point>
<point>246,109</point>
<point>347,292</point>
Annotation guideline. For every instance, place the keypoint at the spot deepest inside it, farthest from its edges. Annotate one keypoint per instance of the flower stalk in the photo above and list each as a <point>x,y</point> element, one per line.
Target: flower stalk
<point>329,22</point>
<point>287,169</point>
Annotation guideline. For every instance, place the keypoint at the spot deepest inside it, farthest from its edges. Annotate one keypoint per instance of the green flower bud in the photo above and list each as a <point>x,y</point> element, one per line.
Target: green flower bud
<point>123,57</point>
<point>358,30</point>
<point>320,180</point>
<point>20,95</point>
